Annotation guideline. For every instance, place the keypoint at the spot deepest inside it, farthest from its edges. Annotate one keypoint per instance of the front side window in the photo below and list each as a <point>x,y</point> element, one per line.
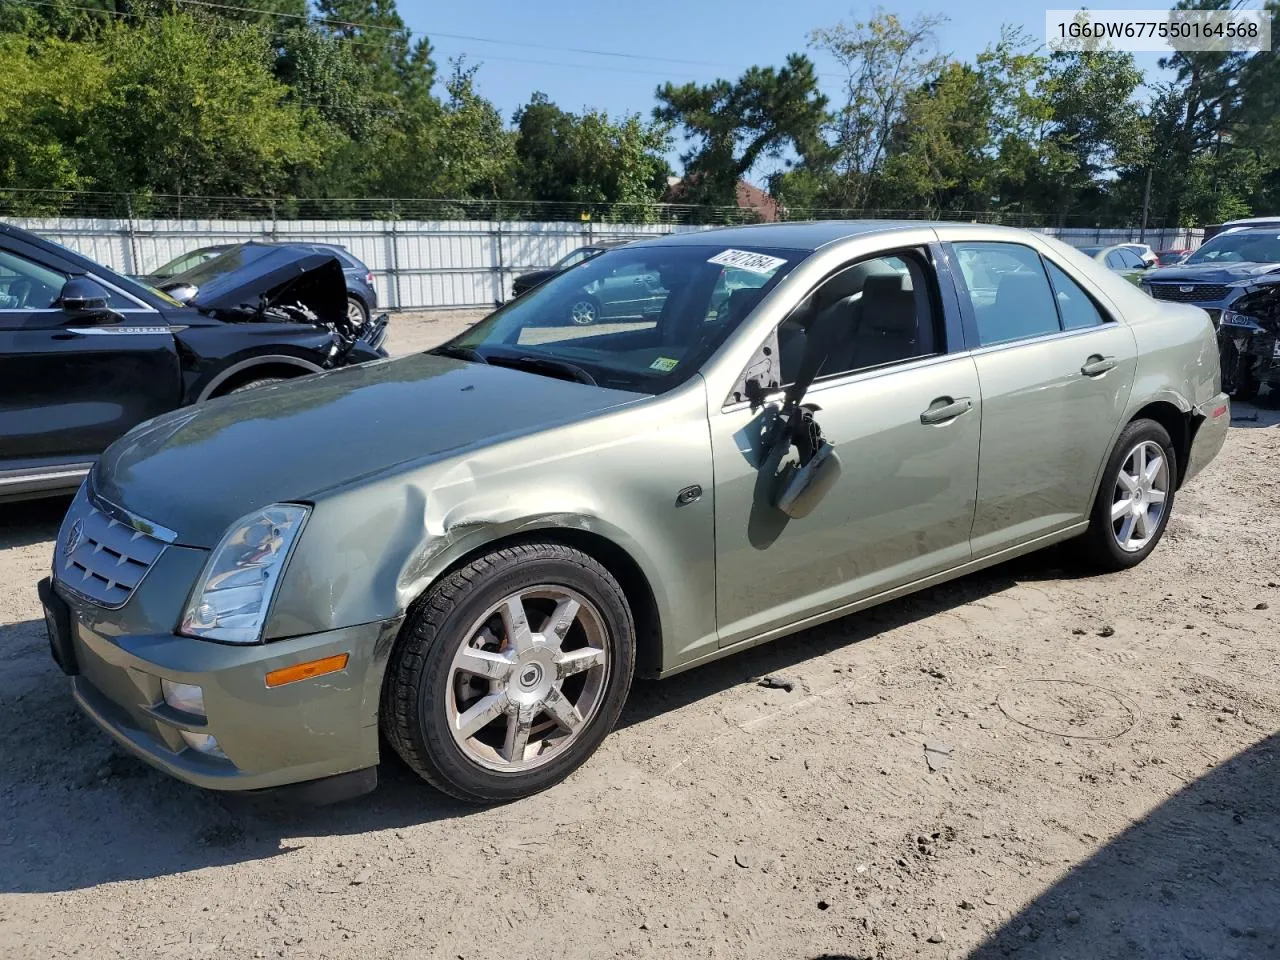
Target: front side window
<point>871,314</point>
<point>638,318</point>
<point>27,285</point>
<point>1008,291</point>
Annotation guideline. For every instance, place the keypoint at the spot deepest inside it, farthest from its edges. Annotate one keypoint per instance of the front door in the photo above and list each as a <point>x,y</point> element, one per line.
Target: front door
<point>70,386</point>
<point>903,409</point>
<point>1056,373</point>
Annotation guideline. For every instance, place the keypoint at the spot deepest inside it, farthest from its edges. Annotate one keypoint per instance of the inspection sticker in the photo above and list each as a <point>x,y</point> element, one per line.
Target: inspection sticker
<point>760,263</point>
<point>665,364</point>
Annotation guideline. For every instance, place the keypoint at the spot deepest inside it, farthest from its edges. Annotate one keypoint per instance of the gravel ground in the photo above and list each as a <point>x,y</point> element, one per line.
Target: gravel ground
<point>1018,763</point>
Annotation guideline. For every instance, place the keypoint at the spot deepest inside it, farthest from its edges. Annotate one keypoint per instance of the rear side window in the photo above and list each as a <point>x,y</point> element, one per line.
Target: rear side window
<point>1077,308</point>
<point>1008,291</point>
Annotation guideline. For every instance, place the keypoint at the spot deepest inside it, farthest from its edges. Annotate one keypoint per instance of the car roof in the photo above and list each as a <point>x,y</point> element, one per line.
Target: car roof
<point>803,235</point>
<point>1252,221</point>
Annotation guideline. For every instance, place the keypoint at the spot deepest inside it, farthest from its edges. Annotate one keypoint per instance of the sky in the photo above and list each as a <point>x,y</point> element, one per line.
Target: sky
<point>540,44</point>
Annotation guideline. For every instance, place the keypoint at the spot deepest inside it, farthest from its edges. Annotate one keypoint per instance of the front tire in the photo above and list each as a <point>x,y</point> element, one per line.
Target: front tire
<point>357,313</point>
<point>509,672</point>
<point>1135,499</point>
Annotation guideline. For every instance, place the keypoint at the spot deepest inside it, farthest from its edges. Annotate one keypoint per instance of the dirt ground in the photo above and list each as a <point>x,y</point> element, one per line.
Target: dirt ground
<point>1020,763</point>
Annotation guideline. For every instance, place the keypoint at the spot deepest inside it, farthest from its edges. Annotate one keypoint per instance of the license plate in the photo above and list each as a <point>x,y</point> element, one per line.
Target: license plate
<point>57,621</point>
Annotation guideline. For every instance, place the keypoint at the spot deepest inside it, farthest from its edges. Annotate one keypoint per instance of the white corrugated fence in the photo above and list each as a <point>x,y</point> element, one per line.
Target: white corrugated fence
<point>419,264</point>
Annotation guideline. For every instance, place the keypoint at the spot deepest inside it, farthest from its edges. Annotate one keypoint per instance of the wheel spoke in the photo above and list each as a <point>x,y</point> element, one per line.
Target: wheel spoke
<point>562,711</point>
<point>1140,522</point>
<point>1129,483</point>
<point>1154,466</point>
<point>517,740</point>
<point>485,663</point>
<point>1140,460</point>
<point>482,713</point>
<point>561,619</point>
<point>1156,496</point>
<point>576,661</point>
<point>1120,509</point>
<point>516,624</point>
<point>1126,530</point>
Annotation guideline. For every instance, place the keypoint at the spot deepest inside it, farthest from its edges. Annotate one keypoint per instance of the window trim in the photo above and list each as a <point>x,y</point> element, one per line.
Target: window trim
<point>932,260</point>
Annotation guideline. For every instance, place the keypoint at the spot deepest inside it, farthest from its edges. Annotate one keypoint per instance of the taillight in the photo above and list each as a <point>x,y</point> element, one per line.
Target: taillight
<point>368,278</point>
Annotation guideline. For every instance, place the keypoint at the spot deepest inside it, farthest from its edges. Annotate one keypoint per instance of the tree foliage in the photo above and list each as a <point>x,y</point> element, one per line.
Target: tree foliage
<point>339,100</point>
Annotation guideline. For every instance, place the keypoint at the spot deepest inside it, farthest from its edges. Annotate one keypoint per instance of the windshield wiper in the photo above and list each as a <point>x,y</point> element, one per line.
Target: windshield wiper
<point>459,352</point>
<point>544,365</point>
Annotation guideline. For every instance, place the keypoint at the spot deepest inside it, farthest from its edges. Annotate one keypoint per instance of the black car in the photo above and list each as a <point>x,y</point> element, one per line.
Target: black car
<point>198,266</point>
<point>87,354</point>
<point>527,281</point>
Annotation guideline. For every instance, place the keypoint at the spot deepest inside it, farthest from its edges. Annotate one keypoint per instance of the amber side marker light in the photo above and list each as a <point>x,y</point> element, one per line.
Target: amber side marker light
<point>305,671</point>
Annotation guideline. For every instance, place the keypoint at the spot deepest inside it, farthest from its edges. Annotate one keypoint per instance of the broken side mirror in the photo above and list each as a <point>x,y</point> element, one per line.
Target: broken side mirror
<point>801,487</point>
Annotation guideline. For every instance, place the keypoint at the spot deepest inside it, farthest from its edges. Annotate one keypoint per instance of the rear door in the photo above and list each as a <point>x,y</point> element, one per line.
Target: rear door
<point>1056,371</point>
<point>70,386</point>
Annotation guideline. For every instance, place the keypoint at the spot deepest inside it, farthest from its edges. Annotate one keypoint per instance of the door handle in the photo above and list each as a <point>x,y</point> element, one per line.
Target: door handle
<point>1097,365</point>
<point>946,408</point>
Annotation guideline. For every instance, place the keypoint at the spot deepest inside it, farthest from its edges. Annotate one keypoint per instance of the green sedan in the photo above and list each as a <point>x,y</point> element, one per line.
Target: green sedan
<point>469,553</point>
<point>1121,258</point>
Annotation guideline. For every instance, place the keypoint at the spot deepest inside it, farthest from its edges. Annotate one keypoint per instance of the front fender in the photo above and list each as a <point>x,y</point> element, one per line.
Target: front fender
<point>369,551</point>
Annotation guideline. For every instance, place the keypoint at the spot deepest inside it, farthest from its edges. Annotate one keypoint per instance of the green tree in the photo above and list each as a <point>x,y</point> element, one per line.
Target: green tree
<point>733,125</point>
<point>885,60</point>
<point>194,109</point>
<point>589,158</point>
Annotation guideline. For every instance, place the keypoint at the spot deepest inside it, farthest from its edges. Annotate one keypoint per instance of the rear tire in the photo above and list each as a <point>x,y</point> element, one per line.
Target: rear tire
<point>1134,501</point>
<point>357,313</point>
<point>484,709</point>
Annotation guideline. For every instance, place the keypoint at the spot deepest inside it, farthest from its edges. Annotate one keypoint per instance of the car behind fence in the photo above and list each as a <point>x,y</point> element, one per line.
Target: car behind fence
<point>426,264</point>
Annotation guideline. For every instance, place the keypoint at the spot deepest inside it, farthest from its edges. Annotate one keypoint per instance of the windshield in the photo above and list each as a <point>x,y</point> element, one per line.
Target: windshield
<point>128,284</point>
<point>575,258</point>
<point>1091,251</point>
<point>186,262</point>
<point>1246,246</point>
<point>635,318</point>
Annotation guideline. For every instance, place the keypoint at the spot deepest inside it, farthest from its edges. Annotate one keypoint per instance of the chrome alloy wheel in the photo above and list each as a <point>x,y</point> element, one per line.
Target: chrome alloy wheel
<point>1142,489</point>
<point>355,314</point>
<point>583,312</point>
<point>518,697</point>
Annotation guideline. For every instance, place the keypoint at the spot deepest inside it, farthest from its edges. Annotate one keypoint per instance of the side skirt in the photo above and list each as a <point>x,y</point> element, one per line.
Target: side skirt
<point>1031,546</point>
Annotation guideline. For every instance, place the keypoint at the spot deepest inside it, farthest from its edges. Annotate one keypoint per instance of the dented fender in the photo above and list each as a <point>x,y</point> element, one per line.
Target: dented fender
<point>370,550</point>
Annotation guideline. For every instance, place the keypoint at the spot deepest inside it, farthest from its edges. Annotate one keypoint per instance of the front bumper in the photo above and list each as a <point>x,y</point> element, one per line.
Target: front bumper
<point>1211,420</point>
<point>300,732</point>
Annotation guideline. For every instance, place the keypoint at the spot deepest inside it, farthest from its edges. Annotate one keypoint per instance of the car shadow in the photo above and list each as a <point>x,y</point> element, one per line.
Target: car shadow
<point>1194,878</point>
<point>650,698</point>
<point>1263,411</point>
<point>33,521</point>
<point>87,813</point>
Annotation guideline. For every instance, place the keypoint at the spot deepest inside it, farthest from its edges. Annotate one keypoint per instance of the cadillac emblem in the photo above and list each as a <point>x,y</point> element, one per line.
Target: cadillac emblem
<point>74,536</point>
<point>1185,289</point>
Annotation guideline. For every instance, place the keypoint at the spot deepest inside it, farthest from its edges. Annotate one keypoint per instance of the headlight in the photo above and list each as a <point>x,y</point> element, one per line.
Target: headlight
<point>230,600</point>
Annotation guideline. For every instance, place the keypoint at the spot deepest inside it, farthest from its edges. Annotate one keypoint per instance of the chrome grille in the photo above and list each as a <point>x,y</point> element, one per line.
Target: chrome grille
<point>100,557</point>
<point>1189,292</point>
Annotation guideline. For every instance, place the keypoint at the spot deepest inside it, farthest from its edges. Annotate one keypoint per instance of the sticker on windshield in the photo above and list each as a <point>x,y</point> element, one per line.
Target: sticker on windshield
<point>665,364</point>
<point>760,263</point>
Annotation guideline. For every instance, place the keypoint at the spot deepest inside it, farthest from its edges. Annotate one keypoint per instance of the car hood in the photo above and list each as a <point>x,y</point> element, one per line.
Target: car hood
<point>199,469</point>
<point>256,277</point>
<point>535,277</point>
<point>1210,272</point>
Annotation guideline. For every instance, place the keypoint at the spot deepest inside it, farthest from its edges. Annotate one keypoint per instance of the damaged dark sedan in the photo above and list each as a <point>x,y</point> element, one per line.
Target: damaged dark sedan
<point>87,354</point>
<point>1249,339</point>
